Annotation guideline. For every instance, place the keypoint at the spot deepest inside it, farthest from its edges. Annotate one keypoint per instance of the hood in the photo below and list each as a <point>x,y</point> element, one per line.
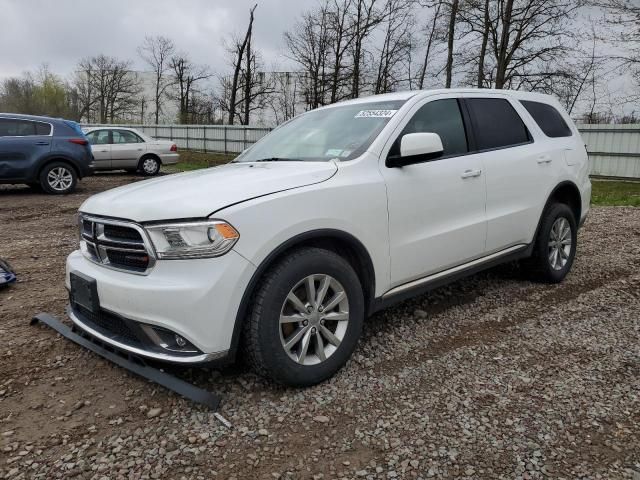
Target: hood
<point>198,194</point>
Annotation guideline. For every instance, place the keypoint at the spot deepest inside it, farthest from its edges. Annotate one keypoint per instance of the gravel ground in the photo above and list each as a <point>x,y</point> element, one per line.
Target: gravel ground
<point>490,377</point>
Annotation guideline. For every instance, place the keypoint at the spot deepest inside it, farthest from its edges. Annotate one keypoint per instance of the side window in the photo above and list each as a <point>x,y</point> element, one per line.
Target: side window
<point>42,128</point>
<point>125,136</point>
<point>98,137</point>
<point>20,128</point>
<point>442,117</point>
<point>496,123</point>
<point>548,119</point>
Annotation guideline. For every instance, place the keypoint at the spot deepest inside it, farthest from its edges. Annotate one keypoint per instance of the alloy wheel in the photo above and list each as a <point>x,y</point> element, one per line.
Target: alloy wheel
<point>560,243</point>
<point>60,179</point>
<point>314,319</point>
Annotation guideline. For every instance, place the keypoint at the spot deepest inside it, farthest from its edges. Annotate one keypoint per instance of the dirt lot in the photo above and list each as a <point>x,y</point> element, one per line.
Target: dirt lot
<point>491,377</point>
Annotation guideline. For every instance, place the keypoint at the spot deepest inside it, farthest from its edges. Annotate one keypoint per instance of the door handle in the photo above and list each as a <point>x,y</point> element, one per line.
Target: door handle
<point>104,151</point>
<point>471,173</point>
<point>139,149</point>
<point>42,143</point>
<point>544,159</point>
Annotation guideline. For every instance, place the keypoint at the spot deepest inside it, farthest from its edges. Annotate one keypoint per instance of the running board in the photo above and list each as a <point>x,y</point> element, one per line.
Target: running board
<point>425,284</point>
<point>132,363</point>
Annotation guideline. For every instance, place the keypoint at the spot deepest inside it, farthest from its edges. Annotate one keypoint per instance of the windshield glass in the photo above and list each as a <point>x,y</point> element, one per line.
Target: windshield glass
<point>340,133</point>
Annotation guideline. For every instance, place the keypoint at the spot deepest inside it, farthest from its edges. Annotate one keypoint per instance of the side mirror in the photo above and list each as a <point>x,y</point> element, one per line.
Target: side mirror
<point>417,148</point>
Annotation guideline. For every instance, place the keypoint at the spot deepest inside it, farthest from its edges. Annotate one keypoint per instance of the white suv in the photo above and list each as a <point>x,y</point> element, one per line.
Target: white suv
<point>336,214</point>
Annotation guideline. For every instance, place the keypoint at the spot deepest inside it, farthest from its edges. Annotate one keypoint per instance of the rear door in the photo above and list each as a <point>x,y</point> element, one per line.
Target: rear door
<point>519,166</point>
<point>100,141</point>
<point>126,149</point>
<point>22,144</point>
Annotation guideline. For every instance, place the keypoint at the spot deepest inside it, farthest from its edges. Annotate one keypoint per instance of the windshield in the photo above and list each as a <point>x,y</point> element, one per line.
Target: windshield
<point>340,133</point>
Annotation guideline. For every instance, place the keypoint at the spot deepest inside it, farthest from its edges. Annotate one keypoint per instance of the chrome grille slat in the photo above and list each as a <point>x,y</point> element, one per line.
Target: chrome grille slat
<point>116,244</point>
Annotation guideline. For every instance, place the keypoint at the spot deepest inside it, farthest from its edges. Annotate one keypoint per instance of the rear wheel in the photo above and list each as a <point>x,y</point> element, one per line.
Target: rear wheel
<point>149,166</point>
<point>58,178</point>
<point>306,318</point>
<point>555,247</point>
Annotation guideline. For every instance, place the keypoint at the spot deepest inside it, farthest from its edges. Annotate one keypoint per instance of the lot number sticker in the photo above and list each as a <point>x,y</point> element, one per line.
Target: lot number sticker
<point>375,113</point>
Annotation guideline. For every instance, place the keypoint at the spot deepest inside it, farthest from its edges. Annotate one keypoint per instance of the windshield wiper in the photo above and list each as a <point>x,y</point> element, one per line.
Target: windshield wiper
<point>278,159</point>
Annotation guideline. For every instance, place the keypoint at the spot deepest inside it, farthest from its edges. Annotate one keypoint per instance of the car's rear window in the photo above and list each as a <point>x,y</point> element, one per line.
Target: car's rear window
<point>548,119</point>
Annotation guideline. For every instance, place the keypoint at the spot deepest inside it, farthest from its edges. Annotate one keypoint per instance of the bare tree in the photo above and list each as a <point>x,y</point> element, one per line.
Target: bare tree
<point>431,37</point>
<point>365,18</point>
<point>527,36</point>
<point>394,58</point>
<point>309,45</point>
<point>108,87</point>
<point>157,52</point>
<point>240,48</point>
<point>185,78</point>
<point>451,31</point>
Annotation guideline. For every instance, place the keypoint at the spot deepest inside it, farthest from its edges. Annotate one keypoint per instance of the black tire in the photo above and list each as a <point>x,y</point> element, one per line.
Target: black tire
<point>145,166</point>
<point>58,178</point>
<point>539,266</point>
<point>263,346</point>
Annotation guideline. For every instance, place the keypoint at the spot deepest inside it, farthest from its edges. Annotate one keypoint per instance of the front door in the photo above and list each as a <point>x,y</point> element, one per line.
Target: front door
<point>436,208</point>
<point>22,144</point>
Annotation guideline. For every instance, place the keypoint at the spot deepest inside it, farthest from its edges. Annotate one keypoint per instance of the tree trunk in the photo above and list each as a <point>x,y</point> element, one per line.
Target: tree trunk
<point>450,35</point>
<point>501,67</point>
<point>483,47</point>
<point>429,43</point>
<point>236,71</point>
<point>247,78</point>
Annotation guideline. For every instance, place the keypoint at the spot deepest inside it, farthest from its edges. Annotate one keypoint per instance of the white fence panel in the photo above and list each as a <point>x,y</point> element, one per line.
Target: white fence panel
<point>614,150</point>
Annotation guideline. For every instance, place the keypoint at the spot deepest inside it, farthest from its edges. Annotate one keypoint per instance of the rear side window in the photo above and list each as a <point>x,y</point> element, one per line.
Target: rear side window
<point>548,119</point>
<point>22,128</point>
<point>125,136</point>
<point>444,118</point>
<point>496,123</point>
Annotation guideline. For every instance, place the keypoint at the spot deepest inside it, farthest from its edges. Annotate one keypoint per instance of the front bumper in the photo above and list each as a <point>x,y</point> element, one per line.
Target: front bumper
<point>197,299</point>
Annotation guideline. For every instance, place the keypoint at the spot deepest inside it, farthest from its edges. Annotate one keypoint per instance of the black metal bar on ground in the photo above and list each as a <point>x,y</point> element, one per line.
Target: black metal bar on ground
<point>170,382</point>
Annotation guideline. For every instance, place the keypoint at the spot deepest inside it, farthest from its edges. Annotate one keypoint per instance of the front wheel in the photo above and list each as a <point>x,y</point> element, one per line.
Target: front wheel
<point>555,247</point>
<point>58,178</point>
<point>306,318</point>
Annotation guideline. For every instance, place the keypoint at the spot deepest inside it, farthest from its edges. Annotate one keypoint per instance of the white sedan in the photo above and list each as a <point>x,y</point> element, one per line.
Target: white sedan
<point>119,148</point>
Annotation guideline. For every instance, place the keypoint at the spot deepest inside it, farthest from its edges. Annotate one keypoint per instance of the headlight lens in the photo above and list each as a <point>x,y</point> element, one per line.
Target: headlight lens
<point>204,239</point>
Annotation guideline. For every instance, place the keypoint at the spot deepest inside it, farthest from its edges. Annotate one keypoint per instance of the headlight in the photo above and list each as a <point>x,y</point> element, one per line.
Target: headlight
<point>204,239</point>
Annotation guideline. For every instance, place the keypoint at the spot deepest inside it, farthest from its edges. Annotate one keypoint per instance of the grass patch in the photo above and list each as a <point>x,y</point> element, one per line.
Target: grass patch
<point>614,192</point>
<point>190,160</point>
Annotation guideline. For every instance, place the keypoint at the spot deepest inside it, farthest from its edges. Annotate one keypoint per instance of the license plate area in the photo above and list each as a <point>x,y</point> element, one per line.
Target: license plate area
<point>84,292</point>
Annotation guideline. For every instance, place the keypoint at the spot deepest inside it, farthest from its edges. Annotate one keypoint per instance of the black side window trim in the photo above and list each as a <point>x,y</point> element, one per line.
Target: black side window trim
<point>467,118</point>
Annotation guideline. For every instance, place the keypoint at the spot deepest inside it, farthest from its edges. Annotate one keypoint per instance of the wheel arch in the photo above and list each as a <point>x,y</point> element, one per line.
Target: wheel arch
<point>566,192</point>
<point>338,241</point>
<point>56,158</point>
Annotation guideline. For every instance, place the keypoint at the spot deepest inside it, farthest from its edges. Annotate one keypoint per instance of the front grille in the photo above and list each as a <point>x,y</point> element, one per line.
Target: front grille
<point>116,244</point>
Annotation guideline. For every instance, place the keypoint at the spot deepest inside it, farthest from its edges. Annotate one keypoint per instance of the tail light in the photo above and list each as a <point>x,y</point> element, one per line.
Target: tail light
<point>79,141</point>
<point>174,148</point>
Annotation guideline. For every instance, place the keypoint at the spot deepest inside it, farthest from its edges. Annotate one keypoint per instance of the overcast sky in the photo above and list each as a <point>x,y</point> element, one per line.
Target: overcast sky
<point>61,32</point>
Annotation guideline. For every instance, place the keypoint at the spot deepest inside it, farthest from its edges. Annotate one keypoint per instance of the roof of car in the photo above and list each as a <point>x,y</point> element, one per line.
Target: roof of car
<point>110,127</point>
<point>406,95</point>
<point>40,118</point>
